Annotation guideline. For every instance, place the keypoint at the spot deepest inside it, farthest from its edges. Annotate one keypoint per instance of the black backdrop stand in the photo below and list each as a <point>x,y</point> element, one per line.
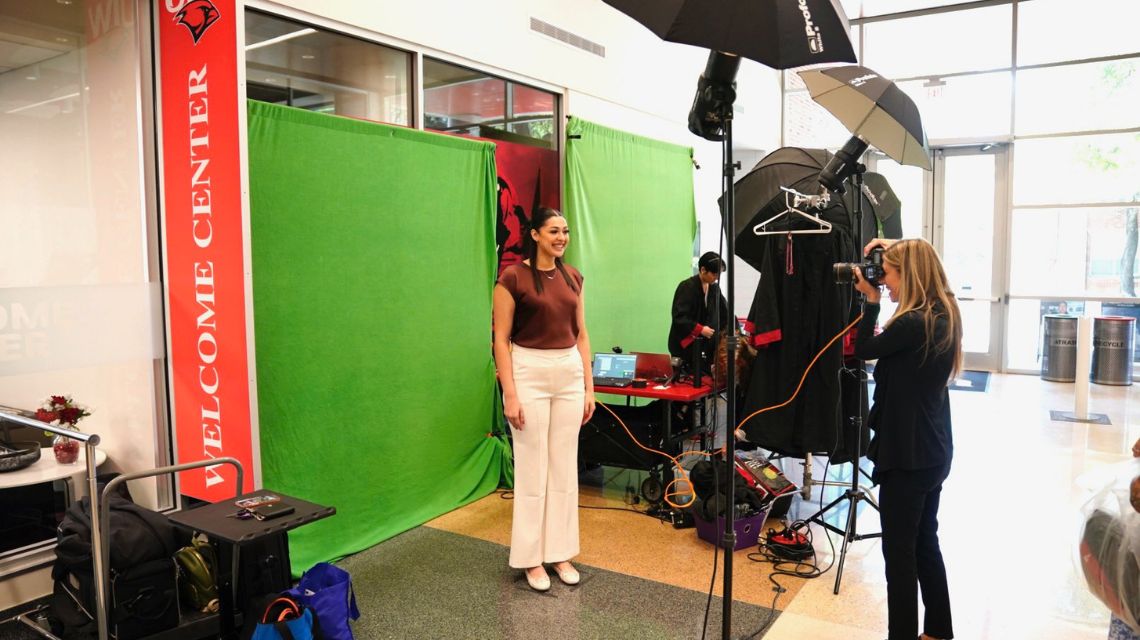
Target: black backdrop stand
<point>855,494</point>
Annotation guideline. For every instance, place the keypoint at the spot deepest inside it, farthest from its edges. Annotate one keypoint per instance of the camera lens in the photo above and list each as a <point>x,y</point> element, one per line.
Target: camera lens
<point>844,272</point>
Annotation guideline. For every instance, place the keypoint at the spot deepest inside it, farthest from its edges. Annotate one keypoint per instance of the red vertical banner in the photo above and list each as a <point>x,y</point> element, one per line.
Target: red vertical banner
<point>528,179</point>
<point>202,215</point>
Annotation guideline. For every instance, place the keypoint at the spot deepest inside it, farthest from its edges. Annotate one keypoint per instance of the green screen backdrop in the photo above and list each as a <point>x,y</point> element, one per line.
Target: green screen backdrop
<point>373,261</point>
<point>629,203</point>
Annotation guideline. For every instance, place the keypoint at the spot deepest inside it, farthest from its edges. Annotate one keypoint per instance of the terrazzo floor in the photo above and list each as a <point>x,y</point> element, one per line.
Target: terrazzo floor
<point>1010,520</point>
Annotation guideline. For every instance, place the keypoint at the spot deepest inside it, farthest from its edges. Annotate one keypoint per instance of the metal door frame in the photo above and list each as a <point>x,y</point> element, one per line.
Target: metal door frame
<point>934,216</point>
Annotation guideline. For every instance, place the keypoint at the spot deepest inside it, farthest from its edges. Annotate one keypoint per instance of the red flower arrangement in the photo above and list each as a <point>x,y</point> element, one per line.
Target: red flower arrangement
<point>62,411</point>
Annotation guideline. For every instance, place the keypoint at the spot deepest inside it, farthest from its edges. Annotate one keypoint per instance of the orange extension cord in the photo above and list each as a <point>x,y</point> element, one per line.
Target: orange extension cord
<point>684,475</point>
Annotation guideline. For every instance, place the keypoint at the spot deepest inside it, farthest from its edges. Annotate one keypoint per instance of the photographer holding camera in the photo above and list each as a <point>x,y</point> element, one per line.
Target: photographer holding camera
<point>919,352</point>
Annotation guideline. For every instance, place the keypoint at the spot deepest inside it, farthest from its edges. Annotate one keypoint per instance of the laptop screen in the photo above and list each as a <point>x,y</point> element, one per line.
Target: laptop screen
<point>614,365</point>
<point>654,365</point>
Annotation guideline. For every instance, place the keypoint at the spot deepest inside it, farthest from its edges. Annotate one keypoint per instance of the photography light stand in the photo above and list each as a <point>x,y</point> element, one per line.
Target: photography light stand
<point>711,118</point>
<point>845,165</point>
<point>809,480</point>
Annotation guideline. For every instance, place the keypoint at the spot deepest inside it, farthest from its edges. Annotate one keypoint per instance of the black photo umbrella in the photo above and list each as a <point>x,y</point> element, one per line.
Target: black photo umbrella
<point>759,197</point>
<point>881,199</point>
<point>873,109</point>
<point>781,34</point>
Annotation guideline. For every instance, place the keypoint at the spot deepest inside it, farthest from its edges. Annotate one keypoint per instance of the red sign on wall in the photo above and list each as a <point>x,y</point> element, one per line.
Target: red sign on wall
<point>202,213</point>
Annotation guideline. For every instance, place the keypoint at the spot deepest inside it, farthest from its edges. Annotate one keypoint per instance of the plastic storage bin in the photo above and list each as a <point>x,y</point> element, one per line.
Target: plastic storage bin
<point>747,529</point>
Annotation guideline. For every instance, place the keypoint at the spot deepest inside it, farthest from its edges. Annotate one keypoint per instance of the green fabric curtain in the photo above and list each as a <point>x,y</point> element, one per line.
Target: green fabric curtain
<point>373,261</point>
<point>629,203</point>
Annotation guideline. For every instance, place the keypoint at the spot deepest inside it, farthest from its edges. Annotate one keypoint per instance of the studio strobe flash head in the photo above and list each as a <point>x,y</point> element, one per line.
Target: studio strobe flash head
<point>844,163</point>
<point>716,91</point>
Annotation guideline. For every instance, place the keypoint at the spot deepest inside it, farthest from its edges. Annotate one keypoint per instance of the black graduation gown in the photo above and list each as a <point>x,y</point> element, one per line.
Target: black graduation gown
<point>692,306</point>
<point>798,307</point>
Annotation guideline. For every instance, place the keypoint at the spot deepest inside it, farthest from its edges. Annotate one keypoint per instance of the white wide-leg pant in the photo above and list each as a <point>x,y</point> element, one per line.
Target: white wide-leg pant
<point>551,391</point>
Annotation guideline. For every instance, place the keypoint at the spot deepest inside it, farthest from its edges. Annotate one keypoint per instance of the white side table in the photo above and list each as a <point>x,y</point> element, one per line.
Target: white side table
<point>46,469</point>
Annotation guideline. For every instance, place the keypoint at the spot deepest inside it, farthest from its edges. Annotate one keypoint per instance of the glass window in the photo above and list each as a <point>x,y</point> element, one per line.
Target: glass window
<point>462,100</point>
<point>458,99</point>
<point>968,206</point>
<point>1078,252</point>
<point>531,112</point>
<point>975,325</point>
<point>881,7</point>
<point>793,81</point>
<point>806,124</point>
<point>905,47</point>
<point>80,299</point>
<point>1025,334</point>
<point>907,183</point>
<point>1077,169</point>
<point>1082,97</point>
<point>851,8</point>
<point>293,64</point>
<point>1058,30</point>
<point>975,106</point>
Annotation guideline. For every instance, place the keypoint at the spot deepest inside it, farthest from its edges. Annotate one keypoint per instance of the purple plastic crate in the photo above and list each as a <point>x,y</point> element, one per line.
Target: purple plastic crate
<point>747,529</point>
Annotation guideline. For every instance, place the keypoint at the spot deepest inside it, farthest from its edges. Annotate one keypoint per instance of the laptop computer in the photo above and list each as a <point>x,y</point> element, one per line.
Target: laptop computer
<point>655,367</point>
<point>614,369</point>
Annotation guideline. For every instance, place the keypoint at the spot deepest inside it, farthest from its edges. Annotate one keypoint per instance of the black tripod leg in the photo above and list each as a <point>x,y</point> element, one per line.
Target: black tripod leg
<point>818,518</point>
<point>848,536</point>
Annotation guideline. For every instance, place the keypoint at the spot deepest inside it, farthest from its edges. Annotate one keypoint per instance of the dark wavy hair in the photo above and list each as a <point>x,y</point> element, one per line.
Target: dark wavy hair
<point>530,248</point>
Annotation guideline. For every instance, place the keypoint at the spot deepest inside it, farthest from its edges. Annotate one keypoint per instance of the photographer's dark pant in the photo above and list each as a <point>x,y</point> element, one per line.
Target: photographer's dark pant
<point>908,511</point>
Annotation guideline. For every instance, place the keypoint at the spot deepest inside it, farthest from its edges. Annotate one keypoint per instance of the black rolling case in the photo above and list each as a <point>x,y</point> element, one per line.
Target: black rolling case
<point>143,600</point>
<point>263,567</point>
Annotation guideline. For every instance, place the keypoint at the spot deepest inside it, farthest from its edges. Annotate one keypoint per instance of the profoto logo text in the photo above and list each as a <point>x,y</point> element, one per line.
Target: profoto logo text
<point>195,15</point>
<point>815,41</point>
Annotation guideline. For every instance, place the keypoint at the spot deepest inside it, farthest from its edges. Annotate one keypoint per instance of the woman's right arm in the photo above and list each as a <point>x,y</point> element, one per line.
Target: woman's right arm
<point>885,243</point>
<point>904,332</point>
<point>503,315</point>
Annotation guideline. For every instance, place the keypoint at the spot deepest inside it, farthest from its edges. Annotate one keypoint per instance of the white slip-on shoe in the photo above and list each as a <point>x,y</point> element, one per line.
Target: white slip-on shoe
<point>540,583</point>
<point>567,573</point>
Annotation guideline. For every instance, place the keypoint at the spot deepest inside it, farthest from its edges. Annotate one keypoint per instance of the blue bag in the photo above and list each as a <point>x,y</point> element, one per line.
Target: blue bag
<point>287,619</point>
<point>327,590</point>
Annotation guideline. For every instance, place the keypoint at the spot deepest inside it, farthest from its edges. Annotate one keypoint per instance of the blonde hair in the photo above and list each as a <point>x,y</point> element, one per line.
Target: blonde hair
<point>924,288</point>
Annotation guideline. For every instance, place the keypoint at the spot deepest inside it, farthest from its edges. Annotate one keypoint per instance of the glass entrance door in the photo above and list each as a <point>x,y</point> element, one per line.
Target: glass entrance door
<point>968,218</point>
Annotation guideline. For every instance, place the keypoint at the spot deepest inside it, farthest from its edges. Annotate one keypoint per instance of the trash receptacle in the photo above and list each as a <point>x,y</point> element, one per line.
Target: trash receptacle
<point>1112,350</point>
<point>1059,355</point>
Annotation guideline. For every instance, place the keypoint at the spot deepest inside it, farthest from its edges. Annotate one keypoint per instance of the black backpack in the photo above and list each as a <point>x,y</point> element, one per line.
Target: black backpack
<point>135,535</point>
<point>143,597</point>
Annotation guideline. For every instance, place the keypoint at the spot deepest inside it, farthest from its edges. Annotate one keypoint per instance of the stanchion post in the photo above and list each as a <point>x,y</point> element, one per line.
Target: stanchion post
<point>1084,368</point>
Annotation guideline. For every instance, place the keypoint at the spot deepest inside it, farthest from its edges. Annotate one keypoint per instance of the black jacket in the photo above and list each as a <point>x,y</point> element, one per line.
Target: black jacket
<point>691,307</point>
<point>911,410</point>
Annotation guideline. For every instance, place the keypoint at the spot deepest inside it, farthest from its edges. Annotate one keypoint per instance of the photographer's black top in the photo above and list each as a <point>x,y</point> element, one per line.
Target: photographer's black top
<point>911,411</point>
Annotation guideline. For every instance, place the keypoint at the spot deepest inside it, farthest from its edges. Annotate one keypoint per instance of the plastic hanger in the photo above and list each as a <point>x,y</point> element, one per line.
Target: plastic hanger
<point>792,200</point>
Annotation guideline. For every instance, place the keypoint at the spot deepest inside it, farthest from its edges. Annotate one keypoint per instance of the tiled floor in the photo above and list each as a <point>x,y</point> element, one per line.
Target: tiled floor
<point>1009,522</point>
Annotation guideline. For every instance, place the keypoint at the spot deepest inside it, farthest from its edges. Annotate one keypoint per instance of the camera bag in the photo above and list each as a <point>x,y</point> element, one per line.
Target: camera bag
<point>143,589</point>
<point>143,600</point>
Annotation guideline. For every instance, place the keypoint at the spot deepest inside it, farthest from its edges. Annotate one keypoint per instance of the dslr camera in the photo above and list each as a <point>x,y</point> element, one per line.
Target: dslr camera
<point>872,269</point>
